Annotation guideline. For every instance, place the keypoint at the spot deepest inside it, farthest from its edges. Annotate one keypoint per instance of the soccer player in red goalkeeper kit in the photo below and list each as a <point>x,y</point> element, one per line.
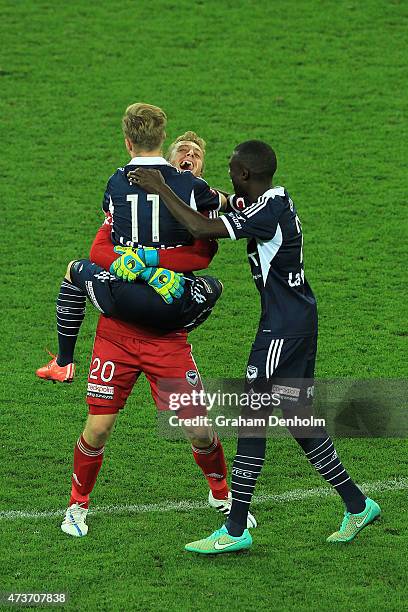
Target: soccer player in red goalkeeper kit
<point>122,351</point>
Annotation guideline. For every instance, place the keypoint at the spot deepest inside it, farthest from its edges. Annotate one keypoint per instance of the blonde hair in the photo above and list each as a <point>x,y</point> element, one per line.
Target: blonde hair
<point>144,125</point>
<point>190,137</point>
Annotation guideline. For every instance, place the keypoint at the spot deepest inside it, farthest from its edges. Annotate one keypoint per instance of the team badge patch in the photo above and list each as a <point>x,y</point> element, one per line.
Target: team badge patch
<point>239,204</point>
<point>192,377</point>
<point>252,373</point>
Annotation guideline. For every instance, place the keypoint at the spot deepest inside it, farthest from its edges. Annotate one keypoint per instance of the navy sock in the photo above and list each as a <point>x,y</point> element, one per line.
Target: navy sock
<point>323,456</point>
<point>71,304</point>
<point>247,466</point>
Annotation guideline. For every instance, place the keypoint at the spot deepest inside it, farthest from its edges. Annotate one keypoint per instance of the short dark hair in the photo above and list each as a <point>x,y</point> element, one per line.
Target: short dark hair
<point>257,157</point>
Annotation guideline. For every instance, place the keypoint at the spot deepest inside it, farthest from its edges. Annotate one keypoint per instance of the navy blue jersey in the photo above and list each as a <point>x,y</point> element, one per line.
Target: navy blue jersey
<point>275,253</point>
<point>140,218</point>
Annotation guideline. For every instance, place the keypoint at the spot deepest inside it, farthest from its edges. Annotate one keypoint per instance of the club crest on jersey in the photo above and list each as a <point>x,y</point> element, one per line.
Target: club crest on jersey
<point>252,373</point>
<point>239,204</point>
<point>192,377</point>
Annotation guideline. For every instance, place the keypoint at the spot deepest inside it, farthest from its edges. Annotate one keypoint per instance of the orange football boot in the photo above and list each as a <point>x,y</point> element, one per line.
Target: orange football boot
<point>52,371</point>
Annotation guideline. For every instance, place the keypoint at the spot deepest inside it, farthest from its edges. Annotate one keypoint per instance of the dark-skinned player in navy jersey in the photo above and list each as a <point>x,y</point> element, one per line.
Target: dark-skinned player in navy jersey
<point>286,341</point>
<point>122,351</point>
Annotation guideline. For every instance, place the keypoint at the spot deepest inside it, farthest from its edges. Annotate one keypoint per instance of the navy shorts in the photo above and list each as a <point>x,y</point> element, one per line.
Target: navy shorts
<point>139,304</point>
<point>285,364</point>
<point>282,357</point>
<point>281,370</point>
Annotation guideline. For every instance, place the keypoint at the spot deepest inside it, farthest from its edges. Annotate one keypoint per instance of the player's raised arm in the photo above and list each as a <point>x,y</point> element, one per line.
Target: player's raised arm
<point>198,225</point>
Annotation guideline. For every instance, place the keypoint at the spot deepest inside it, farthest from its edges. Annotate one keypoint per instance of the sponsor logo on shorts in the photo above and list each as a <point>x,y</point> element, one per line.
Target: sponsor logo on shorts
<point>252,373</point>
<point>286,392</point>
<point>192,377</point>
<point>101,391</point>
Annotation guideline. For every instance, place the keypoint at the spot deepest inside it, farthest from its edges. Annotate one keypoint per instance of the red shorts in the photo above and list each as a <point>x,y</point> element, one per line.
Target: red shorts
<point>122,352</point>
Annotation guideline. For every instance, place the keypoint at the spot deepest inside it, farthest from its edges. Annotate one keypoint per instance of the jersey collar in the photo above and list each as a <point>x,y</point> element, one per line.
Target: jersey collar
<point>148,161</point>
<point>271,193</point>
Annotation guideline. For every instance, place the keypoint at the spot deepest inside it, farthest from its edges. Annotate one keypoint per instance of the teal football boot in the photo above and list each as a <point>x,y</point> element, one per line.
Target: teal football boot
<point>220,542</point>
<point>353,523</point>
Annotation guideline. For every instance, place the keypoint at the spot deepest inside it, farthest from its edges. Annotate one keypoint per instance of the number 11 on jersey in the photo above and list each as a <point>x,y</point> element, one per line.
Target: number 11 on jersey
<point>155,201</point>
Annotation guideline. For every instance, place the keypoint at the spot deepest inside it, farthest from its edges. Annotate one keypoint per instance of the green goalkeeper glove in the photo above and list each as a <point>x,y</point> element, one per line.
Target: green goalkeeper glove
<point>132,261</point>
<point>168,284</point>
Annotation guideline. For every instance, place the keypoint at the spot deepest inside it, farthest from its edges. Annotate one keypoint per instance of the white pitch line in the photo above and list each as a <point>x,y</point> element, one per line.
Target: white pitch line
<point>395,484</point>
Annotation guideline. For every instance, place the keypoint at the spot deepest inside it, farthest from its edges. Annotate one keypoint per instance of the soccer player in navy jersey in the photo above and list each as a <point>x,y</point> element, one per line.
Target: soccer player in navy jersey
<point>286,341</point>
<point>187,152</point>
<point>122,351</point>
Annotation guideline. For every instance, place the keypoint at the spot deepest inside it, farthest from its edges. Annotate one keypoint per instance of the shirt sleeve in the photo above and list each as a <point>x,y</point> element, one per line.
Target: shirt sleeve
<point>258,221</point>
<point>102,252</point>
<point>107,203</point>
<point>203,197</point>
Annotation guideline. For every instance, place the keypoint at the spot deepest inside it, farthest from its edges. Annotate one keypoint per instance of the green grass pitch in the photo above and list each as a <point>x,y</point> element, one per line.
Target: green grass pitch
<point>323,82</point>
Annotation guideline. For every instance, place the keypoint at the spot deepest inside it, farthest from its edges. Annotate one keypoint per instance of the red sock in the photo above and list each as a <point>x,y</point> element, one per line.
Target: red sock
<point>211,460</point>
<point>87,463</point>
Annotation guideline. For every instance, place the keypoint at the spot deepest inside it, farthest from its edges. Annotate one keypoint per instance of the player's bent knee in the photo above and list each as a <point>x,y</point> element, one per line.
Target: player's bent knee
<point>98,428</point>
<point>97,436</point>
<point>201,437</point>
<point>68,272</point>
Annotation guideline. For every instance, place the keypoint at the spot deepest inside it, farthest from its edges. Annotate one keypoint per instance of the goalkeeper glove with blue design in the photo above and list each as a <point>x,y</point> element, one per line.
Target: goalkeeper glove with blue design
<point>168,284</point>
<point>131,262</point>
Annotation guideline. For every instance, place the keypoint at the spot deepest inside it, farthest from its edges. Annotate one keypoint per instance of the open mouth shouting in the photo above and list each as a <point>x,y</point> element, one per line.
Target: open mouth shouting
<point>186,164</point>
<point>188,156</point>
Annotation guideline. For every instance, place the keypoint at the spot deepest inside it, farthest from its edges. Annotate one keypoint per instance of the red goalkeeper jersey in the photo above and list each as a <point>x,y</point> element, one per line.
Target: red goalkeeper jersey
<point>197,256</point>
